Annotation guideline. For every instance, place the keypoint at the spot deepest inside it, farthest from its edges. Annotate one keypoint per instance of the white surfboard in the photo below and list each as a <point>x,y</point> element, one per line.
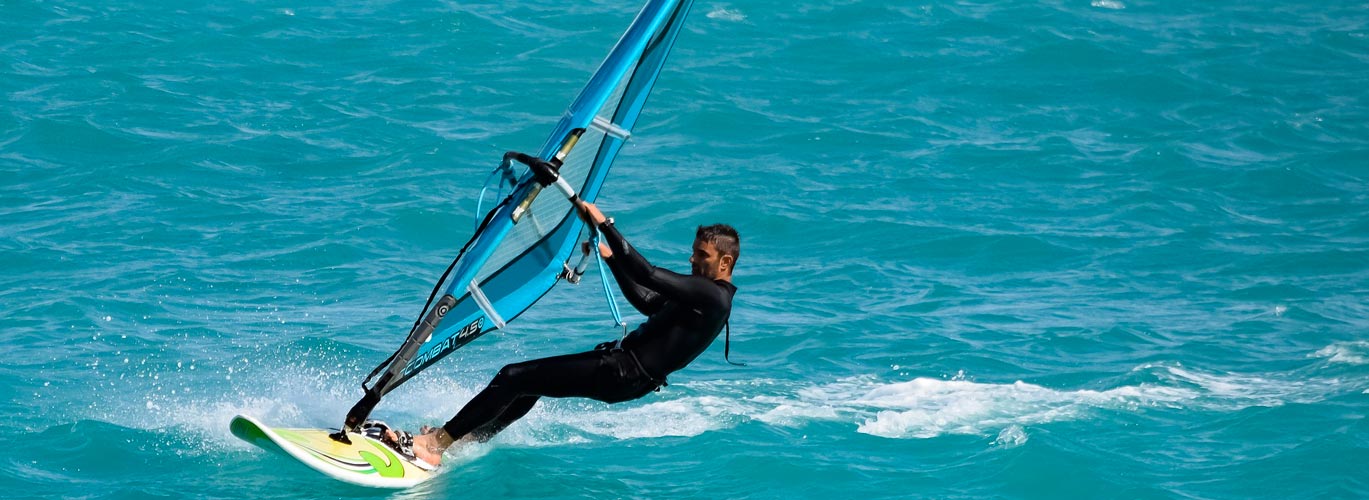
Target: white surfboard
<point>365,462</point>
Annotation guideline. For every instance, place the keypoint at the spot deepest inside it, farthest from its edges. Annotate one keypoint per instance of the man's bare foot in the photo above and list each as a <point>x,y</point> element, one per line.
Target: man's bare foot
<point>429,447</point>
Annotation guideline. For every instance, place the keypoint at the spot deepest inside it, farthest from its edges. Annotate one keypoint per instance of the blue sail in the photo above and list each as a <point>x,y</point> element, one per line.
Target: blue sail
<point>518,254</point>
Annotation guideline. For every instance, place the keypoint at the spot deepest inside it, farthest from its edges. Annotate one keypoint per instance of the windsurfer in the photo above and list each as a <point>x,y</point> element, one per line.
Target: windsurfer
<point>684,313</point>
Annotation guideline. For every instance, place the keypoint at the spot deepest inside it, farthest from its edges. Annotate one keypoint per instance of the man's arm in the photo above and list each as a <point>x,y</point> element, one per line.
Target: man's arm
<point>664,282</point>
<point>629,265</point>
<point>644,299</point>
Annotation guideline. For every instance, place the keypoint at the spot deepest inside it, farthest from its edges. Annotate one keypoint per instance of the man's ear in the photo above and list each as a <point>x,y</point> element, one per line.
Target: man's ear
<point>727,261</point>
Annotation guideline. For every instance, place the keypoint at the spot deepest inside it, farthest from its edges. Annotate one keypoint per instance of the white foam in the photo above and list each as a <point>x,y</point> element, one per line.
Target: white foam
<point>1108,4</point>
<point>683,417</point>
<point>1353,353</point>
<point>929,407</point>
<point>926,407</point>
<point>1236,391</point>
<point>725,14</point>
<point>785,412</point>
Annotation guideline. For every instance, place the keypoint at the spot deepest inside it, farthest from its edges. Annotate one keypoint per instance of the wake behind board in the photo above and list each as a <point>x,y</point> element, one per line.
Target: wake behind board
<point>364,462</point>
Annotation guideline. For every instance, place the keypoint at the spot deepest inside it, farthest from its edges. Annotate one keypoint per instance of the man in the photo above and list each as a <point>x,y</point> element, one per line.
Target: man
<point>684,314</point>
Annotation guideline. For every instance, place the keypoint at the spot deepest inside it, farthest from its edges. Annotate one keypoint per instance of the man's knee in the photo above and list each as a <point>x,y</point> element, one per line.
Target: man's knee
<point>511,374</point>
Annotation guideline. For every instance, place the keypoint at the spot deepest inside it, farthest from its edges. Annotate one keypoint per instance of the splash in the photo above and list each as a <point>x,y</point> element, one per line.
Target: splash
<point>1011,437</point>
<point>308,383</point>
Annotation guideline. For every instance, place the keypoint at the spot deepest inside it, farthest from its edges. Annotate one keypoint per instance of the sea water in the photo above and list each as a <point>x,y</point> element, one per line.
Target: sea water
<point>1056,249</point>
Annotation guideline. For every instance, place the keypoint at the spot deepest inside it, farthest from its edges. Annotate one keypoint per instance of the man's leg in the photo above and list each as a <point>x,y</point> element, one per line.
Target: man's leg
<point>516,410</point>
<point>560,376</point>
<point>430,445</point>
<point>517,387</point>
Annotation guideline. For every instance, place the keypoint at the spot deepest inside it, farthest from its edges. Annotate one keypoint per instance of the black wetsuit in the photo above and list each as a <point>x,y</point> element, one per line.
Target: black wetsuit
<point>684,314</point>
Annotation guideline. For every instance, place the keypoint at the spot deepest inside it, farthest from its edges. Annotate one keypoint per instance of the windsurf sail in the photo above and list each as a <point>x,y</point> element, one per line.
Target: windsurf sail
<point>520,248</point>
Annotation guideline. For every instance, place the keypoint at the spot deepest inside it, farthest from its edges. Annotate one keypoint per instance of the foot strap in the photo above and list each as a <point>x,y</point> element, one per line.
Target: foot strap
<point>403,442</point>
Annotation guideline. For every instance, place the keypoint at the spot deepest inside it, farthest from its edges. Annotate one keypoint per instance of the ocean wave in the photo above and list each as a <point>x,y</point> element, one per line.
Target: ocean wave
<point>1351,353</point>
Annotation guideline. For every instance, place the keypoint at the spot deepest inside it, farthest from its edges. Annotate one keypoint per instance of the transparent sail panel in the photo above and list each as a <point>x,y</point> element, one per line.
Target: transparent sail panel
<point>551,208</point>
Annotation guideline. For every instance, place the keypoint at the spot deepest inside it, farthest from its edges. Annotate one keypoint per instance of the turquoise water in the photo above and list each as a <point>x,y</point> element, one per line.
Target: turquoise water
<point>1116,249</point>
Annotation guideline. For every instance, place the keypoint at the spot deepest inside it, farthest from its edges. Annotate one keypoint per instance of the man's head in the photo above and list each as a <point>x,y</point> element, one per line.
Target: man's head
<point>716,249</point>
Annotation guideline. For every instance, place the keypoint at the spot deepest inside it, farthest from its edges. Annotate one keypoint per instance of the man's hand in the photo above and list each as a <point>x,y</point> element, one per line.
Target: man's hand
<point>604,250</point>
<point>589,213</point>
<point>592,216</point>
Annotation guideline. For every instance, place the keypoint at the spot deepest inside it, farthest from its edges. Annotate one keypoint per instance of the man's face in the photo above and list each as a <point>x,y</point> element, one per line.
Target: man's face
<point>706,261</point>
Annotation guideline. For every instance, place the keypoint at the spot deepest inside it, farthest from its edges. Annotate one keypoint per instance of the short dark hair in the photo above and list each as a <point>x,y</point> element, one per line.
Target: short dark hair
<point>722,236</point>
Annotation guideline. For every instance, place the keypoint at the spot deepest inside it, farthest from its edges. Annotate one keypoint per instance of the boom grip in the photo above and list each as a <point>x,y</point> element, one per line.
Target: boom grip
<point>547,173</point>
